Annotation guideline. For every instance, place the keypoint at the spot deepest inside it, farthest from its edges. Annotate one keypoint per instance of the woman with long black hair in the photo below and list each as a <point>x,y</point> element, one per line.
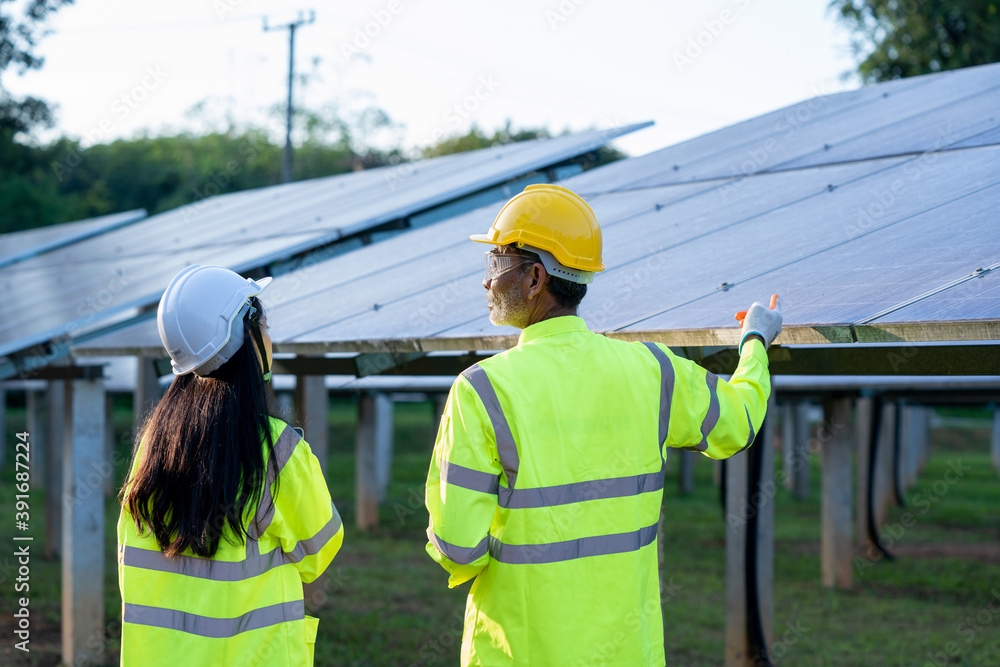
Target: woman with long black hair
<point>225,511</point>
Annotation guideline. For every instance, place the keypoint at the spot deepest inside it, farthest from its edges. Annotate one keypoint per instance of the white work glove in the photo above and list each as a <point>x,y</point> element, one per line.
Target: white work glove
<point>765,322</point>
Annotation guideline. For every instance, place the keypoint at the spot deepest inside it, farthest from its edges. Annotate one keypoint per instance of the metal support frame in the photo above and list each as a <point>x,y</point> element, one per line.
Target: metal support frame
<point>147,390</point>
<point>836,544</point>
<point>373,456</point>
<point>750,533</point>
<point>55,449</point>
<point>3,425</point>
<point>83,527</point>
<point>36,419</point>
<point>795,447</point>
<point>995,438</point>
<point>312,410</point>
<point>685,471</point>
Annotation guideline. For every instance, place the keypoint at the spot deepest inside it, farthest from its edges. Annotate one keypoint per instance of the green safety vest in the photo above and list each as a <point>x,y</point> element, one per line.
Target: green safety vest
<point>546,485</point>
<point>244,606</point>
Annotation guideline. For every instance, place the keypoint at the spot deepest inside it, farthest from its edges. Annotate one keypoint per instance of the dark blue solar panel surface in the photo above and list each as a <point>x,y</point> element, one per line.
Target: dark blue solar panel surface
<point>872,199</point>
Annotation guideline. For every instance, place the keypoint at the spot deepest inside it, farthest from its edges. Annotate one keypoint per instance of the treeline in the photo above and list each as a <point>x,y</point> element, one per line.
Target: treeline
<point>63,181</point>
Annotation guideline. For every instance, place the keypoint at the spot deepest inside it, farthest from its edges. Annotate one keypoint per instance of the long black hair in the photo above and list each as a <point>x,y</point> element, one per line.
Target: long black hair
<point>201,459</point>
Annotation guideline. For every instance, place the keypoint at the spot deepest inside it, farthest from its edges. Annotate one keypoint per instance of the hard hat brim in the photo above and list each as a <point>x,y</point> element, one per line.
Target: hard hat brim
<point>260,285</point>
<point>482,238</point>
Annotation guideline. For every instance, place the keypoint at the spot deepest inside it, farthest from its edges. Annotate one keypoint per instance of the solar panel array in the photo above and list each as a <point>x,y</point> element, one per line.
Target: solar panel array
<point>872,212</point>
<point>79,286</point>
<point>18,246</point>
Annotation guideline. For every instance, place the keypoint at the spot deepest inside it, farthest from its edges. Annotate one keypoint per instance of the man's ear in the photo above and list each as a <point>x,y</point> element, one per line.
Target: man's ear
<point>538,276</point>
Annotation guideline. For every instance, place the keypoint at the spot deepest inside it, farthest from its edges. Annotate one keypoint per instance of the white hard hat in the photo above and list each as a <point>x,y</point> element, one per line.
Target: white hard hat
<point>200,317</point>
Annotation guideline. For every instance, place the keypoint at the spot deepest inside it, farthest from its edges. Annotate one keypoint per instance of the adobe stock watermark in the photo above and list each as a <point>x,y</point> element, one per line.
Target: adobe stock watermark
<point>769,489</point>
<point>779,648</point>
<point>924,501</point>
<point>247,153</point>
<point>627,281</point>
<point>223,7</point>
<point>760,155</point>
<point>40,356</point>
<point>122,107</point>
<point>648,614</point>
<point>885,197</point>
<point>562,13</point>
<point>970,627</point>
<point>712,30</point>
<point>364,34</point>
<point>454,117</point>
<point>446,297</point>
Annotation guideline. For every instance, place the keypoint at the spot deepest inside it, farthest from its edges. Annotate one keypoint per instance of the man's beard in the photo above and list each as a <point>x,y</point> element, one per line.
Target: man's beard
<point>509,307</point>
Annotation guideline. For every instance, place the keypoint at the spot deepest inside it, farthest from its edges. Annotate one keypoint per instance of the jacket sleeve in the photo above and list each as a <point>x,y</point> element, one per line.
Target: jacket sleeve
<point>305,522</point>
<point>462,486</point>
<point>715,417</point>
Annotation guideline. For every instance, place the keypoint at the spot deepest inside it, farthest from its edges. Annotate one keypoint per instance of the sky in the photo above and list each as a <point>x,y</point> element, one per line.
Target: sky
<point>118,67</point>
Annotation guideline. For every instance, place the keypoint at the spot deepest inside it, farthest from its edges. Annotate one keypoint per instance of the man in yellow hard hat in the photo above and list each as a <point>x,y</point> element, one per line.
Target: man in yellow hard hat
<point>547,475</point>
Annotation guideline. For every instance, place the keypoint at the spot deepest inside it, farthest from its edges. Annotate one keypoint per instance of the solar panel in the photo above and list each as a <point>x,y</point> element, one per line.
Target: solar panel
<point>927,113</point>
<point>71,288</point>
<point>873,214</point>
<point>18,246</point>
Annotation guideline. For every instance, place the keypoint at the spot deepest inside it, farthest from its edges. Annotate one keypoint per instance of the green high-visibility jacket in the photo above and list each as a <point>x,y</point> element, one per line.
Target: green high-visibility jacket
<point>244,606</point>
<point>546,484</point>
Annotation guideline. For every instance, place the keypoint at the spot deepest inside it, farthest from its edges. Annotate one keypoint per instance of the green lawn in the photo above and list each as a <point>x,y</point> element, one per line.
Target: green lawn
<point>385,602</point>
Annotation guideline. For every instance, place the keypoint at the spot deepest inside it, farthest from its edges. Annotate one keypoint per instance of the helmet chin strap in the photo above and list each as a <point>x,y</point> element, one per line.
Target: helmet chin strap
<point>254,317</point>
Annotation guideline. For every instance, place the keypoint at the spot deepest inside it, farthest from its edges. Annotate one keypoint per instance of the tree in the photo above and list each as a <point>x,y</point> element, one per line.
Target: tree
<point>19,37</point>
<point>475,139</point>
<point>899,38</point>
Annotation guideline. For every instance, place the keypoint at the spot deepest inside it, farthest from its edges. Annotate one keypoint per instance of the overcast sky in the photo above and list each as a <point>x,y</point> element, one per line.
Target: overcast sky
<point>115,67</point>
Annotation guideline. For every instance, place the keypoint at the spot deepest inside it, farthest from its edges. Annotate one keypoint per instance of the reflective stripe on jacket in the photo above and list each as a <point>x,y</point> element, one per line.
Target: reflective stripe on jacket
<point>245,606</point>
<point>546,485</point>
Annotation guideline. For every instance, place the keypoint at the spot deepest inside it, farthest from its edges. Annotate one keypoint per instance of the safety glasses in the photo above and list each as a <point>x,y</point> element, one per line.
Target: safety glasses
<point>497,265</point>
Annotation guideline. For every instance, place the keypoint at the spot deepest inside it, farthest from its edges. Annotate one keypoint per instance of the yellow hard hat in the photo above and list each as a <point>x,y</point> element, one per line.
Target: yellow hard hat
<point>553,219</point>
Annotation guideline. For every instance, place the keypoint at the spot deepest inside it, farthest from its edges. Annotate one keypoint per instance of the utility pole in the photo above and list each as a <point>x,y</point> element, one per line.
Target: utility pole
<point>286,170</point>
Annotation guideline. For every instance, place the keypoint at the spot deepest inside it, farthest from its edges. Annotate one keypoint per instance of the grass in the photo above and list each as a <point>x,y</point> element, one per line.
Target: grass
<point>384,602</point>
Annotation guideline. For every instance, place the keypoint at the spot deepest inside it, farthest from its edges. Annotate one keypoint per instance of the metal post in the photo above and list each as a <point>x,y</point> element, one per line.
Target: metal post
<point>737,645</point>
<point>685,470</point>
<point>109,441</point>
<point>36,426</point>
<point>795,447</point>
<point>884,487</point>
<point>995,438</point>
<point>896,470</point>
<point>383,441</point>
<point>312,410</point>
<point>836,540</point>
<point>925,436</point>
<point>862,421</point>
<point>55,447</point>
<point>147,391</point>
<point>374,455</point>
<point>911,415</point>
<point>3,425</point>
<point>743,508</point>
<point>787,446</point>
<point>800,452</point>
<point>83,528</point>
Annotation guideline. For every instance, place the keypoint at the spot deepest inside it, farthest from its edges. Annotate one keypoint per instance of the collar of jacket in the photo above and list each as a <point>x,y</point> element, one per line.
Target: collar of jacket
<point>553,327</point>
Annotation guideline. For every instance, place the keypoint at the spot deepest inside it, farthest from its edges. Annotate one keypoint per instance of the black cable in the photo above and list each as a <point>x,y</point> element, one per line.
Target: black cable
<point>755,629</point>
<point>873,431</point>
